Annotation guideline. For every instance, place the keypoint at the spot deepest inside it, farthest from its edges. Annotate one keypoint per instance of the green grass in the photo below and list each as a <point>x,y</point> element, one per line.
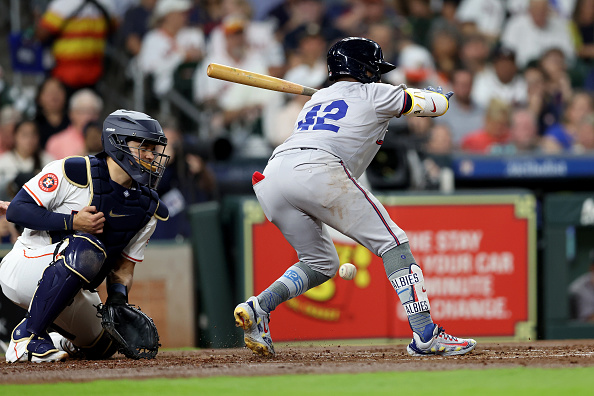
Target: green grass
<point>517,381</point>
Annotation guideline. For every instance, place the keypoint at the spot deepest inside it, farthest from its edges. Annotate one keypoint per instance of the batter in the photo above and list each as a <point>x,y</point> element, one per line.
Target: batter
<point>311,181</point>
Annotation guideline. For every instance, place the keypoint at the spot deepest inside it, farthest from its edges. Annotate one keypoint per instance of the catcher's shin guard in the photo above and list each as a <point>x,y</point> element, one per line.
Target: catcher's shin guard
<point>77,260</point>
<point>55,290</point>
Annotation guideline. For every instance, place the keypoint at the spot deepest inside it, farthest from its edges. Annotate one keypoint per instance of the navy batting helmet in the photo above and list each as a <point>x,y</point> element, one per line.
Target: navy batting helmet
<point>123,126</point>
<point>355,57</point>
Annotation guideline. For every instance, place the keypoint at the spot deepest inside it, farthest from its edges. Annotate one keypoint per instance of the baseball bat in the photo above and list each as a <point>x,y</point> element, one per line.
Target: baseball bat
<point>258,80</point>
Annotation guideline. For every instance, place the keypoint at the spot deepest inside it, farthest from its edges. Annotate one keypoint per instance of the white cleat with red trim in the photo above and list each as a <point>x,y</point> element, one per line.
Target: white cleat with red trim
<point>441,344</point>
<point>25,346</point>
<point>254,322</point>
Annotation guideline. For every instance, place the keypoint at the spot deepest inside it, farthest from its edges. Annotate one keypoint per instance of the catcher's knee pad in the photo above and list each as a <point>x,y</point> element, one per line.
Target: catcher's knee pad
<point>104,347</point>
<point>82,254</point>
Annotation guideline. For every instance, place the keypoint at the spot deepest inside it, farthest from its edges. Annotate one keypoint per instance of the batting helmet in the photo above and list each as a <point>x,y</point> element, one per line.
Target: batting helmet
<point>123,126</point>
<point>355,57</point>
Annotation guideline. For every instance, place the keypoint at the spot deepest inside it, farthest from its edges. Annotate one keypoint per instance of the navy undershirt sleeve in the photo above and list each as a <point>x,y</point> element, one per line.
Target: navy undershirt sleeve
<point>24,211</point>
<point>407,103</point>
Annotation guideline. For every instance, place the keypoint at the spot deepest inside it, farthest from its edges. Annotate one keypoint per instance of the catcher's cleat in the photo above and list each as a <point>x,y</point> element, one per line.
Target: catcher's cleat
<point>441,344</point>
<point>254,322</point>
<point>25,346</point>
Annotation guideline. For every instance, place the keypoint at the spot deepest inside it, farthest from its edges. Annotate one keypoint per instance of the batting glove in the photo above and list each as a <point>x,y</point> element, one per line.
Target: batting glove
<point>440,91</point>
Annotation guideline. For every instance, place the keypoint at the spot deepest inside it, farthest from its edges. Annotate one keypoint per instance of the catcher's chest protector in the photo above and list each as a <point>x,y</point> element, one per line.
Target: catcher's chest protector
<point>126,212</point>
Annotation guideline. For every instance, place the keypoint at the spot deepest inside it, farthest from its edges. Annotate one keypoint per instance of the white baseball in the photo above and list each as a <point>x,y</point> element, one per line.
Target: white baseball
<point>347,271</point>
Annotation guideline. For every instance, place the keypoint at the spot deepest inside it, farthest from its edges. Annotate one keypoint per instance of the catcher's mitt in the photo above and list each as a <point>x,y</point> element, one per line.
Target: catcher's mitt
<point>132,329</point>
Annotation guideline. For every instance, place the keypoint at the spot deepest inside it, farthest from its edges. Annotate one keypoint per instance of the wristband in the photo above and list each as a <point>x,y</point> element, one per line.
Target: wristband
<point>117,294</point>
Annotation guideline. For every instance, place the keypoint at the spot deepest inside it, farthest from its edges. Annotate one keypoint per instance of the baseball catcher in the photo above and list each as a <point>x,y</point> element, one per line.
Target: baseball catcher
<point>86,220</point>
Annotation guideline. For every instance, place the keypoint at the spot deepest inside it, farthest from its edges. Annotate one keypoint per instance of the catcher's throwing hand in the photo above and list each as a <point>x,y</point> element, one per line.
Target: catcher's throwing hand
<point>89,220</point>
<point>130,328</point>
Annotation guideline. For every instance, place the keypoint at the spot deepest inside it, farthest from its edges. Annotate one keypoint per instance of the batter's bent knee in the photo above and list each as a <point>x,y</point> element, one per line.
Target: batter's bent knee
<point>83,254</point>
<point>328,267</point>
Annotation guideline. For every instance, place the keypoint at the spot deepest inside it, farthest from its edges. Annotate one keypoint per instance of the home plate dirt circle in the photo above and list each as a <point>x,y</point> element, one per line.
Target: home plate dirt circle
<point>302,360</point>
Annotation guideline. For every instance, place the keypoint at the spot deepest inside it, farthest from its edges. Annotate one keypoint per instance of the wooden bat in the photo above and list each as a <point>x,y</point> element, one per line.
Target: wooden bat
<point>258,80</point>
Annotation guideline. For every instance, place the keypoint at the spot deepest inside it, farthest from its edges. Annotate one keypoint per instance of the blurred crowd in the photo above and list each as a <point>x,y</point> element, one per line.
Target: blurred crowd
<point>522,72</point>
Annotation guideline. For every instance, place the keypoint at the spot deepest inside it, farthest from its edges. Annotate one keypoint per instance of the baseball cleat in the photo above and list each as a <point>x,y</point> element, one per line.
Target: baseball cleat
<point>254,322</point>
<point>25,346</point>
<point>441,344</point>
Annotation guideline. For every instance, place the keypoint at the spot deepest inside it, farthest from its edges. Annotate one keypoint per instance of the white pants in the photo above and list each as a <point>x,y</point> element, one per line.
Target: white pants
<point>303,189</point>
<point>21,270</point>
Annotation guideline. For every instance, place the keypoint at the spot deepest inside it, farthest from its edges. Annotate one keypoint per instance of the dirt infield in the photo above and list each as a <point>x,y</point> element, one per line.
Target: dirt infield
<point>301,360</point>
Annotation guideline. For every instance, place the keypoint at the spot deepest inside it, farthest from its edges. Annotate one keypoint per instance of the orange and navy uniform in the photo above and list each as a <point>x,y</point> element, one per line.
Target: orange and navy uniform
<point>80,44</point>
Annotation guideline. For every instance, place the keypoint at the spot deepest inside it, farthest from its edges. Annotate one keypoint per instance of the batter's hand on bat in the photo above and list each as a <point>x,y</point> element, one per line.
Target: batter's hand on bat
<point>3,207</point>
<point>89,220</point>
<point>440,90</point>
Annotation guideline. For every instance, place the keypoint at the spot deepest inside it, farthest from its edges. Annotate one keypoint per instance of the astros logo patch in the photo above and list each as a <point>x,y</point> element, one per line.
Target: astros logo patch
<point>48,182</point>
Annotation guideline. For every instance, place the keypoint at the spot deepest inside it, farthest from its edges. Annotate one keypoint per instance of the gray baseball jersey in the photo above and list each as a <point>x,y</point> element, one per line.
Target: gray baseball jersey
<point>349,120</point>
<point>311,179</point>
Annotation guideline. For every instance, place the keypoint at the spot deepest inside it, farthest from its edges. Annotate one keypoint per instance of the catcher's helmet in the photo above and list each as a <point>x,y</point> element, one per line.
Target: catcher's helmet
<point>123,126</point>
<point>355,56</point>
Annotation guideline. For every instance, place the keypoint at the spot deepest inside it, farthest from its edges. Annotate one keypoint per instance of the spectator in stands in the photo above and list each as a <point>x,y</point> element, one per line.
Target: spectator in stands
<point>420,16</point>
<point>436,158</point>
<point>9,117</point>
<point>361,14</point>
<point>474,53</point>
<point>134,26</point>
<point>237,108</point>
<point>292,14</point>
<point>563,8</point>
<point>584,138</point>
<point>78,31</point>
<point>583,30</point>
<point>530,35</point>
<point>24,161</point>
<point>485,17</point>
<point>554,66</point>
<point>494,131</point>
<point>561,136</point>
<point>415,65</point>
<point>85,106</point>
<point>581,292</point>
<point>386,36</point>
<point>187,180</point>
<point>311,49</point>
<point>583,34</point>
<point>540,101</point>
<point>523,134</point>
<point>259,37</point>
<point>440,141</point>
<point>207,14</point>
<point>464,116</point>
<point>501,81</point>
<point>51,116</point>
<point>446,19</point>
<point>92,133</point>
<point>444,49</point>
<point>170,44</point>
